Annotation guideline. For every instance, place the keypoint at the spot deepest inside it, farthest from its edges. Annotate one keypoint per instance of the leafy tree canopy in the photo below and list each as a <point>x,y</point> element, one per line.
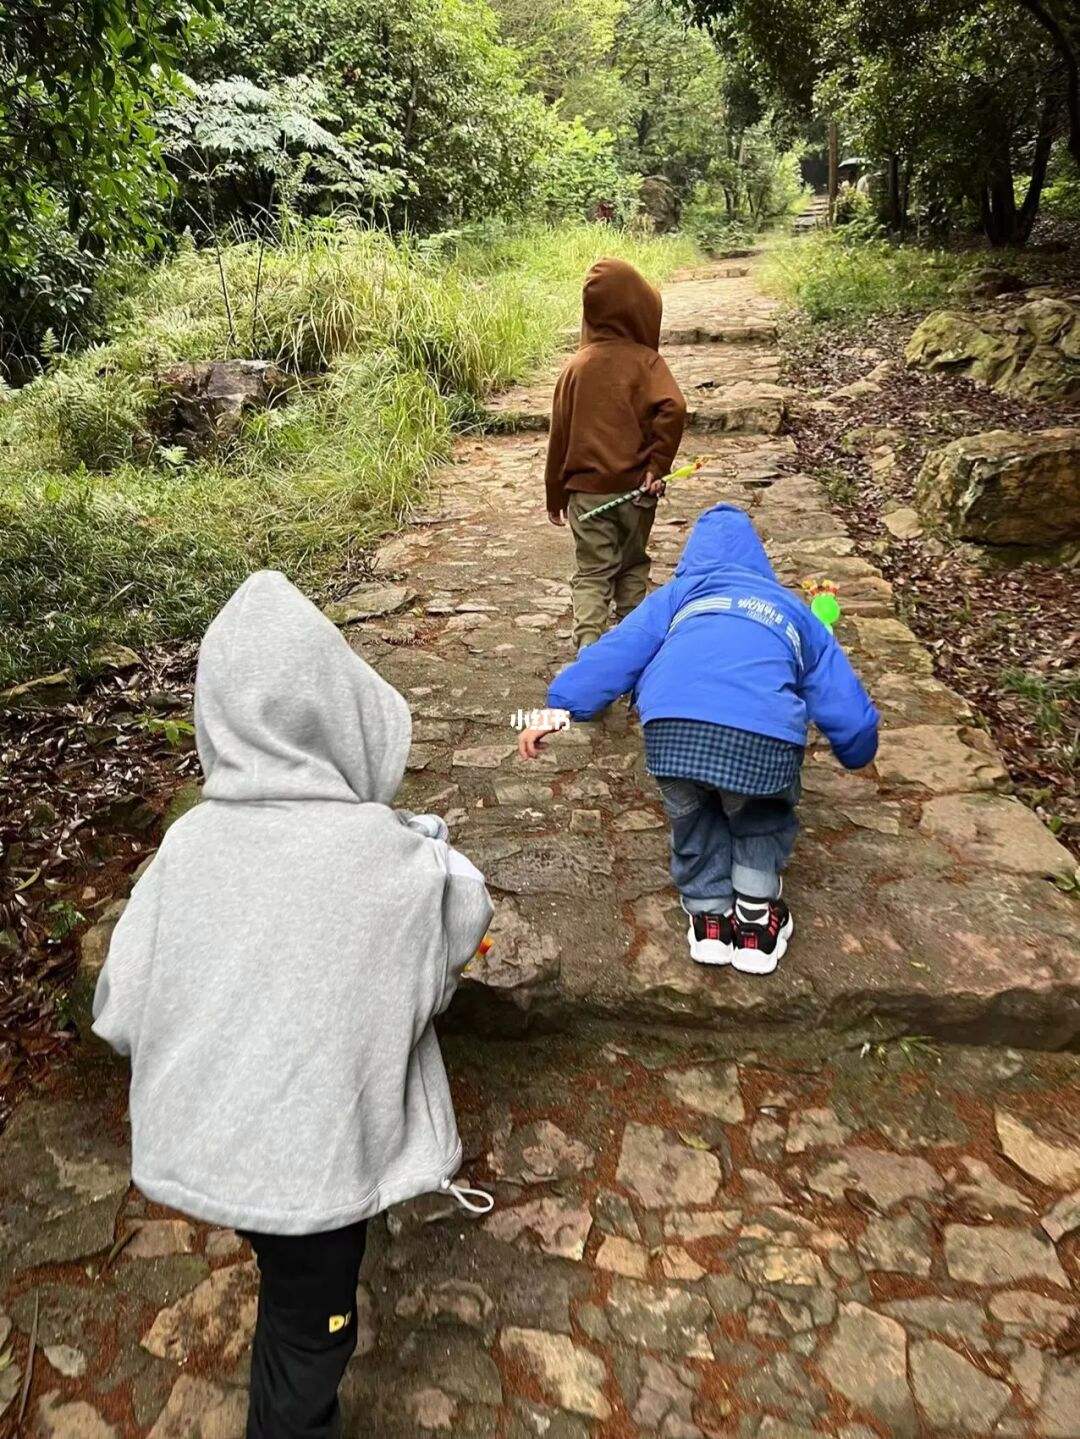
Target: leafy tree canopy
<point>956,97</point>
<point>426,93</point>
<point>79,83</point>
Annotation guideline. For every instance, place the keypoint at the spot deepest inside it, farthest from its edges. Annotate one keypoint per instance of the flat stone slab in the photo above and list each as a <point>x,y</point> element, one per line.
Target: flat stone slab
<point>63,1178</point>
<point>569,1376</point>
<point>1044,1146</point>
<point>992,832</point>
<point>933,759</point>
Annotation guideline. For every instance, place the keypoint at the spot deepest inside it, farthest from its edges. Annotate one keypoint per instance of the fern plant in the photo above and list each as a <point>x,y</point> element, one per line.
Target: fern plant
<point>241,152</point>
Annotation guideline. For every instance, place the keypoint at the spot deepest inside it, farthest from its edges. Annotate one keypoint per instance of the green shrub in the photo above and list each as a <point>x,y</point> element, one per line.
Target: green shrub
<point>830,279</point>
<point>579,171</point>
<point>1061,198</point>
<point>717,232</point>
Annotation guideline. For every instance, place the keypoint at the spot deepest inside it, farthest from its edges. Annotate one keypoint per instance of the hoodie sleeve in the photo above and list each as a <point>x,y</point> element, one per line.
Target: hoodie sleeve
<point>839,706</point>
<point>122,983</point>
<point>613,665</point>
<point>558,440</point>
<point>467,911</point>
<point>667,415</point>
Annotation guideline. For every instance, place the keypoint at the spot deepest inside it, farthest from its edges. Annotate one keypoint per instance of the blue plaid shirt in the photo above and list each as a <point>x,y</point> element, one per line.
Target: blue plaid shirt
<point>715,754</point>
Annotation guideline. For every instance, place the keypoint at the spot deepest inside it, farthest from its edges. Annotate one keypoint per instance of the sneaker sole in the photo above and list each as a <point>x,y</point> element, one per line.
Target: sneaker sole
<point>708,951</point>
<point>757,961</point>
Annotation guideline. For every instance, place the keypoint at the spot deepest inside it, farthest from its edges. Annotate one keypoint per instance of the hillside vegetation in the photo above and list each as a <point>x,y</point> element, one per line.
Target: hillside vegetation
<point>110,535</point>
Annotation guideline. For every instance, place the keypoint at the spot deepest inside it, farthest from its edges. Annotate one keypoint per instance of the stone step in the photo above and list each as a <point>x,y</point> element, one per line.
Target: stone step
<point>750,332</point>
<point>720,332</point>
<point>745,408</point>
<point>906,906</point>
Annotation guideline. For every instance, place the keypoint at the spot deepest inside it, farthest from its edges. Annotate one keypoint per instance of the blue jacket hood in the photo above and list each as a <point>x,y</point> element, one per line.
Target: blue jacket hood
<point>723,539</point>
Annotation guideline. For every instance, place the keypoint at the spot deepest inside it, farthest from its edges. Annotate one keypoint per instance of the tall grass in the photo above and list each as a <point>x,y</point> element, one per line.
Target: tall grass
<point>833,278</point>
<point>109,534</point>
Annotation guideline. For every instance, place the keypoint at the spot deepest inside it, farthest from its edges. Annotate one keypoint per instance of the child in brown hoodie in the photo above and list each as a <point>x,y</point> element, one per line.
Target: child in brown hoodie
<point>616,422</point>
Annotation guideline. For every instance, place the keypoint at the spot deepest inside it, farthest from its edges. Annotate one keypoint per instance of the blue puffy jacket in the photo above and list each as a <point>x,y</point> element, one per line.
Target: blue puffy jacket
<point>724,641</point>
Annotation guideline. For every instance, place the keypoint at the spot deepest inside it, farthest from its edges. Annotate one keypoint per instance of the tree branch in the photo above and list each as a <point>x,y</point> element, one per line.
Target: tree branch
<point>1038,11</point>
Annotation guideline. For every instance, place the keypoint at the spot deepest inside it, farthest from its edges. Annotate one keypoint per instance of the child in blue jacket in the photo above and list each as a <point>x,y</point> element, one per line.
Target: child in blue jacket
<point>727,667</point>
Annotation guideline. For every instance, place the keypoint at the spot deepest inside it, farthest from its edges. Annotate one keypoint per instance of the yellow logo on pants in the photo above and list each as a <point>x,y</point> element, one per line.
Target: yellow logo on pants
<point>339,1321</point>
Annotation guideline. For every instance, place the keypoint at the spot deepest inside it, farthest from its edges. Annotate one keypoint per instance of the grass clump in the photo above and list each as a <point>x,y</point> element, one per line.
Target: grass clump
<point>1050,696</point>
<point>845,281</point>
<point>110,533</point>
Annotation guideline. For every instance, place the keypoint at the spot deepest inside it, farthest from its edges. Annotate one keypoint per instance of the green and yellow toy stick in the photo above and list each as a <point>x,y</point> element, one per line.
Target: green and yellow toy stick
<point>684,472</point>
<point>823,601</point>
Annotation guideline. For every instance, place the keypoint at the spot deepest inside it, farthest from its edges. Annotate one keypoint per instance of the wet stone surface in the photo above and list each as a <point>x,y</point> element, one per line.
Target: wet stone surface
<point>800,1265</point>
<point>705,1228</point>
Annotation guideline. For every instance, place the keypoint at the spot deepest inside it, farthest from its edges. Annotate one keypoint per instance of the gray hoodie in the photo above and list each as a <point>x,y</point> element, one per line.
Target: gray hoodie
<point>276,973</point>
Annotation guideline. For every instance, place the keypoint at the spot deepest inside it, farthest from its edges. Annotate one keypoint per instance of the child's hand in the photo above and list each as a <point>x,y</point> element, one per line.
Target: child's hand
<point>653,485</point>
<point>557,517</point>
<point>530,741</point>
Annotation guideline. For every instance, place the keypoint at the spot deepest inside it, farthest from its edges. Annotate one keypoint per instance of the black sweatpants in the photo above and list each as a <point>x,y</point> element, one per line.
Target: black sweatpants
<point>305,1334</point>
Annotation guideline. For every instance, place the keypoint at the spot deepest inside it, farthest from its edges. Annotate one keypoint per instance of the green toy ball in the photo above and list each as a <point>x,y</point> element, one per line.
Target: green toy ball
<point>826,607</point>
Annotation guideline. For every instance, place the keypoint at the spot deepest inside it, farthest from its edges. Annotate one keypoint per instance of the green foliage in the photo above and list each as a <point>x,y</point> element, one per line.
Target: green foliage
<point>708,220</point>
<point>107,538</point>
<point>673,105</point>
<point>177,733</point>
<point>1049,696</point>
<point>238,150</point>
<point>89,413</point>
<point>580,171</point>
<point>951,98</point>
<point>64,917</point>
<point>857,216</point>
<point>673,119</point>
<point>1061,198</point>
<point>565,47</point>
<point>79,81</point>
<point>845,282</point>
<point>58,295</point>
<point>429,100</point>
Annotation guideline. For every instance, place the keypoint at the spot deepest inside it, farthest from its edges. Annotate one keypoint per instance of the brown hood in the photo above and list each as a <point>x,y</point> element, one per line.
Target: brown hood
<point>619,304</point>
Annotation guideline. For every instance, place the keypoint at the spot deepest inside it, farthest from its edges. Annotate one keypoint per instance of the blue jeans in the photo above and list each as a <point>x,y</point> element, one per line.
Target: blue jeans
<point>724,844</point>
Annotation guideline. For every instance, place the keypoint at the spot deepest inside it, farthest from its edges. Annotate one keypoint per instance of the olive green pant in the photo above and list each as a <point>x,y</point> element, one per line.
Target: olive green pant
<point>611,562</point>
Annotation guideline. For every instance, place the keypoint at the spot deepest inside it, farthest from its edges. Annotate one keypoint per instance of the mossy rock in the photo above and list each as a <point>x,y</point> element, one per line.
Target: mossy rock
<point>185,798</point>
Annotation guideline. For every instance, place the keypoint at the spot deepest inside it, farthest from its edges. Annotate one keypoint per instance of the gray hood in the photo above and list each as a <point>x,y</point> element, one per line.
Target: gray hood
<point>284,710</point>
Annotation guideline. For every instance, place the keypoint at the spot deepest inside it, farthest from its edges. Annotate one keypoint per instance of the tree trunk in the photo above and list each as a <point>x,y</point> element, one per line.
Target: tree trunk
<point>896,209</point>
<point>905,197</point>
<point>999,198</point>
<point>834,169</point>
<point>1069,50</point>
<point>1039,162</point>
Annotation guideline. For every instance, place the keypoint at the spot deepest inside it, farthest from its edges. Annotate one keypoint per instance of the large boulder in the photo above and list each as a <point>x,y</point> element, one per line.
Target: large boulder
<point>1003,488</point>
<point>204,404</point>
<point>660,201</point>
<point>1032,352</point>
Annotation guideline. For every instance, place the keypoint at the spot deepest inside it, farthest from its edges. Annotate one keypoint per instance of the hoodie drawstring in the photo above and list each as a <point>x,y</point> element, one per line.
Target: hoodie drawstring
<point>461,1192</point>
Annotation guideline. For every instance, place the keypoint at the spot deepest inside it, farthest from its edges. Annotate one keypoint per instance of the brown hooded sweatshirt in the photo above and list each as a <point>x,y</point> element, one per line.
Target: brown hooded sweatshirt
<point>617,414</point>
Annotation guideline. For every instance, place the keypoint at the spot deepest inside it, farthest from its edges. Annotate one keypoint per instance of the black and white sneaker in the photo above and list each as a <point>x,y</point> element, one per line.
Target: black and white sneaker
<point>711,938</point>
<point>762,930</point>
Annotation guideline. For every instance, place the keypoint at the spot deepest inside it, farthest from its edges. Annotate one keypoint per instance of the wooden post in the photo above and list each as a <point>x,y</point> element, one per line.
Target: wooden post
<point>834,166</point>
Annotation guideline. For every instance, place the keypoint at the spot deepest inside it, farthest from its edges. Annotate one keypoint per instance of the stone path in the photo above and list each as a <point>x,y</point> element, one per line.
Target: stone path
<point>702,1229</point>
<point>696,1237</point>
<point>919,887</point>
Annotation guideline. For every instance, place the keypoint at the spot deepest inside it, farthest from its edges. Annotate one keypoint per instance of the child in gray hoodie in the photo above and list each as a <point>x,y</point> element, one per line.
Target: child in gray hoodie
<point>275,978</point>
